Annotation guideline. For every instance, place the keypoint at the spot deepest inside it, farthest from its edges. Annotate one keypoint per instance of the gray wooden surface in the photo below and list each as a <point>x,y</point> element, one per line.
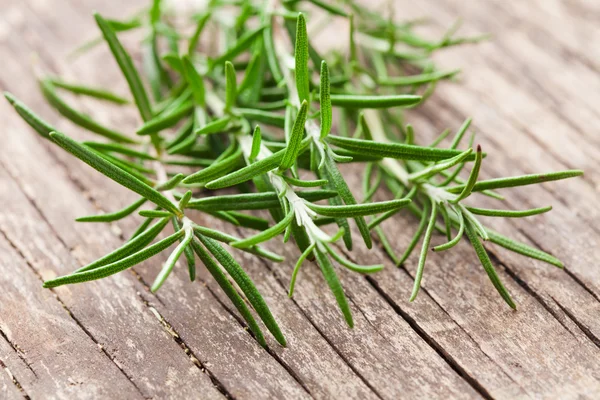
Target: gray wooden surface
<point>533,92</point>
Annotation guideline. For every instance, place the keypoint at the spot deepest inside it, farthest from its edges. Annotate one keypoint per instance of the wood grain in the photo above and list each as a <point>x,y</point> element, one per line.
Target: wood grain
<point>532,92</point>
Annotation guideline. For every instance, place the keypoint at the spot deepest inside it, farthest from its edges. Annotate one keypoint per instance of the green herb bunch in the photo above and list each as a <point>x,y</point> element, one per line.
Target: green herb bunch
<point>257,116</point>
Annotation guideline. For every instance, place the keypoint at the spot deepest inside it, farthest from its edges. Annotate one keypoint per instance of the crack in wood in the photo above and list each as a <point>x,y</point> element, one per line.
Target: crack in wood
<point>373,282</point>
<point>12,377</point>
<point>16,347</point>
<point>321,333</point>
<point>243,324</point>
<point>455,365</point>
<point>186,349</point>
<point>587,331</point>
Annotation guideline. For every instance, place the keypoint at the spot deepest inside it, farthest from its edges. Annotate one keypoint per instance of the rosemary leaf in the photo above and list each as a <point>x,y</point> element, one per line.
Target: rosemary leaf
<point>334,284</point>
<point>137,243</point>
<point>115,215</point>
<point>229,290</point>
<point>266,234</point>
<point>295,141</point>
<point>325,102</point>
<point>500,183</point>
<point>357,210</point>
<point>124,60</point>
<point>424,250</point>
<point>113,172</point>
<point>301,60</point>
<point>78,118</point>
<point>170,263</point>
<point>394,150</point>
<point>97,93</point>
<point>487,265</point>
<point>366,101</point>
<point>117,266</point>
<point>301,259</point>
<point>246,285</point>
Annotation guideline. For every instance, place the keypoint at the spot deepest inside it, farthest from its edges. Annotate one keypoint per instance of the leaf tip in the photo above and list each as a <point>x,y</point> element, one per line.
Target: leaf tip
<point>11,99</point>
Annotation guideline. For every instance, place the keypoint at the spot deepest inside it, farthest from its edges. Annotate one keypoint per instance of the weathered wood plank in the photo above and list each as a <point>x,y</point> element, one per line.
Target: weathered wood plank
<point>9,384</point>
<point>46,338</point>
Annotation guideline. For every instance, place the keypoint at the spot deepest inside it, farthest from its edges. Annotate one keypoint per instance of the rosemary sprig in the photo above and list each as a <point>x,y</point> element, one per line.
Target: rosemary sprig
<point>201,115</point>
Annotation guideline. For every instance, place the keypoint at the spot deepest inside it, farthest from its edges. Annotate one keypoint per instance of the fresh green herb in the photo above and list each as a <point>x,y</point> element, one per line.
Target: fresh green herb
<point>200,117</point>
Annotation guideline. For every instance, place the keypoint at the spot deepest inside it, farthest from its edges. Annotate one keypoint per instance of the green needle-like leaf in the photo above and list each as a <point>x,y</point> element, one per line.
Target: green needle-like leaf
<point>202,20</point>
<point>171,183</point>
<point>340,184</point>
<point>253,201</point>
<point>135,244</point>
<point>118,148</point>
<point>301,60</point>
<point>424,250</point>
<point>471,182</point>
<point>417,235</point>
<point>216,170</point>
<point>37,123</point>
<point>98,93</point>
<point>230,86</point>
<point>117,266</point>
<point>461,132</point>
<point>295,141</point>
<point>500,183</point>
<point>155,214</point>
<point>367,101</point>
<point>124,60</point>
<point>226,238</point>
<point>116,174</point>
<point>78,118</point>
<point>257,168</point>
<point>188,251</point>
<point>487,264</point>
<point>329,7</point>
<point>357,210</point>
<point>457,238</point>
<point>229,290</point>
<point>241,45</point>
<point>363,269</point>
<point>194,80</point>
<point>399,151</point>
<point>170,263</point>
<point>523,249</point>
<point>509,213</point>
<point>334,284</point>
<point>325,101</point>
<point>246,285</point>
<point>441,166</point>
<point>216,126</point>
<point>419,79</point>
<point>115,215</point>
<point>256,143</point>
<point>302,258</point>
<point>306,184</point>
<point>266,117</point>
<point>266,234</point>
<point>166,120</point>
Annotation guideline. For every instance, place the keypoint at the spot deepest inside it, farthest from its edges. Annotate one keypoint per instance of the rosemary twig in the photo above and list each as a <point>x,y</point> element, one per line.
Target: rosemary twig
<point>271,135</point>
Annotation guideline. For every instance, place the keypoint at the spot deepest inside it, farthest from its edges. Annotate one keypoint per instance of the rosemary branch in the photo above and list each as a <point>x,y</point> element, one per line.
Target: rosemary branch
<point>200,115</point>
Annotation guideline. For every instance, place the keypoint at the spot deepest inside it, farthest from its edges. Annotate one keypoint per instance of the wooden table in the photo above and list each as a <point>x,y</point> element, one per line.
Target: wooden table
<point>533,92</point>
